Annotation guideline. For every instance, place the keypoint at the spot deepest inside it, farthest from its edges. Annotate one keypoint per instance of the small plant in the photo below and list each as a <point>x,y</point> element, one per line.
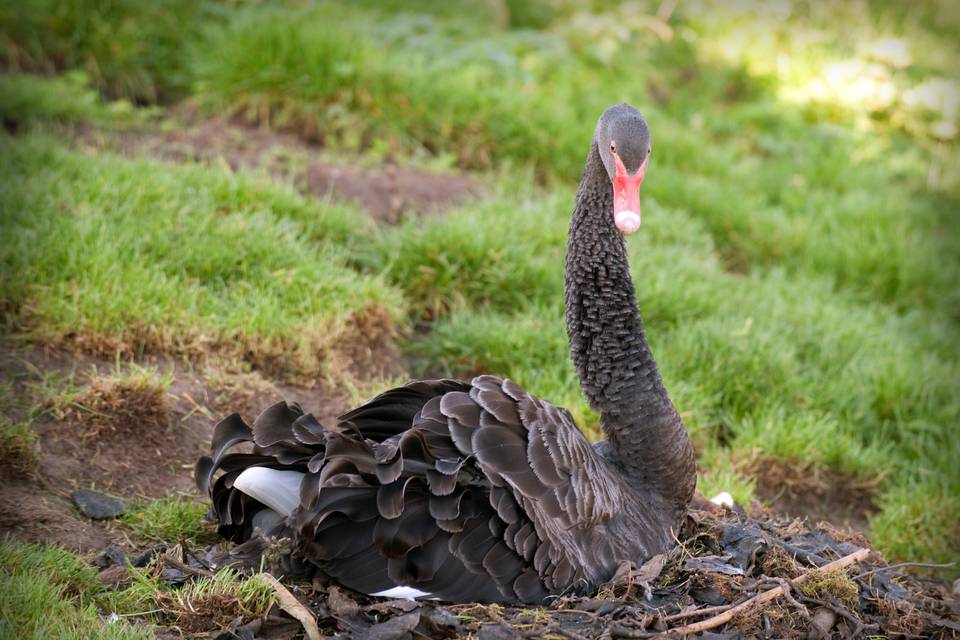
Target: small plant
<point>213,603</point>
<point>836,583</point>
<point>19,454</point>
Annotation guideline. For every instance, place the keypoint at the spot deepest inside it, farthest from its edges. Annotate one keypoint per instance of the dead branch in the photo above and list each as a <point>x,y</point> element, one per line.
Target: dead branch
<point>901,565</point>
<point>766,596</point>
<point>291,605</point>
<point>698,612</point>
<point>787,586</point>
<point>185,568</point>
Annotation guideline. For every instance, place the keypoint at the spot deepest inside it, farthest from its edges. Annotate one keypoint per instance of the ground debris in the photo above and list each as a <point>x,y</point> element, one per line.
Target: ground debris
<point>732,576</point>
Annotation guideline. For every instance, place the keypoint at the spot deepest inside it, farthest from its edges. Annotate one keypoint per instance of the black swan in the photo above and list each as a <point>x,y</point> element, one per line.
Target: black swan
<point>479,491</point>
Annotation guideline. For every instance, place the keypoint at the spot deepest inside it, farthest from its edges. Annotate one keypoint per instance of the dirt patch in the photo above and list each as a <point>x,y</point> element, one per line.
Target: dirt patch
<point>124,435</point>
<point>248,393</point>
<point>386,192</point>
<point>30,513</point>
<point>803,489</point>
<point>241,392</point>
<point>366,348</point>
<point>132,405</point>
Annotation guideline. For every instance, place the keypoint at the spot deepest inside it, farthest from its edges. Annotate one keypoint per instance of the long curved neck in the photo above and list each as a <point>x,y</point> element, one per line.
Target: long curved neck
<point>609,348</point>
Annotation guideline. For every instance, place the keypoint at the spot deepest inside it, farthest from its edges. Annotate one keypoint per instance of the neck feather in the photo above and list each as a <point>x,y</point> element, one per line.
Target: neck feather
<point>608,346</point>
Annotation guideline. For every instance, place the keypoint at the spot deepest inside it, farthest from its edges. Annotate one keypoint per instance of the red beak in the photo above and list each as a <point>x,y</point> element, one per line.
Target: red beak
<point>626,197</point>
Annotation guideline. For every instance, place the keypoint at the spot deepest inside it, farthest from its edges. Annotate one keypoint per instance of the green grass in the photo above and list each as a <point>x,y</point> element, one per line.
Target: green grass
<point>129,48</point>
<point>501,253</point>
<point>798,262</point>
<point>67,98</point>
<point>155,257</point>
<point>49,593</point>
<point>170,519</point>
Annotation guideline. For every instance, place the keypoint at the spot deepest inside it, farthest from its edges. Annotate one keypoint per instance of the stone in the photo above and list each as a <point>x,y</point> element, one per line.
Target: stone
<point>111,555</point>
<point>96,505</point>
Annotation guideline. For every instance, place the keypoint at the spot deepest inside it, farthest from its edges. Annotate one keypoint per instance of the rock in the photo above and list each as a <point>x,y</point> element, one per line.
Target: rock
<point>96,505</point>
<point>147,556</point>
<point>496,631</point>
<point>111,555</point>
<point>116,576</point>
<point>821,623</point>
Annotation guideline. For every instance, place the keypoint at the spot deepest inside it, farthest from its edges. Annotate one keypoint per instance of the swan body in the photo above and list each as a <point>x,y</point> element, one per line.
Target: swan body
<point>479,490</point>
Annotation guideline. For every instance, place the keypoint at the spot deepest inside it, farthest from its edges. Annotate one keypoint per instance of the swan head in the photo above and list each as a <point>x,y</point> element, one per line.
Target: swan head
<point>623,140</point>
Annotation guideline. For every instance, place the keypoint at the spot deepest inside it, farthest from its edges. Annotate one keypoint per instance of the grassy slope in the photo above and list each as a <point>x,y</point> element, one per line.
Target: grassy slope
<point>148,256</point>
<point>796,269</point>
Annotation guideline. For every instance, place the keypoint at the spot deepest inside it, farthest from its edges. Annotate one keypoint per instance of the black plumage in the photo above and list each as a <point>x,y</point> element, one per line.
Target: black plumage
<point>480,491</point>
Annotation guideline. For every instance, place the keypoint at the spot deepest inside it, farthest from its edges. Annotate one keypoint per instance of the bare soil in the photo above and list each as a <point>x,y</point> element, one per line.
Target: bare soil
<point>387,192</point>
<point>43,515</point>
<point>802,489</point>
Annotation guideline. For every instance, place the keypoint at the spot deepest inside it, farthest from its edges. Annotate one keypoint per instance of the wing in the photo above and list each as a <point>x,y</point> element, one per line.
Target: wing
<point>535,451</point>
<point>535,448</point>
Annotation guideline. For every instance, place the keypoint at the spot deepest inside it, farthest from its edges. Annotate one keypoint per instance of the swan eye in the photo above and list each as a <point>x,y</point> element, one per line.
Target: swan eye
<point>613,147</point>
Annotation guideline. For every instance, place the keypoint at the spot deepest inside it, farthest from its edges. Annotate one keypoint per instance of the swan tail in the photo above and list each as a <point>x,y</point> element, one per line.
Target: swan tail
<point>260,490</point>
<point>277,489</point>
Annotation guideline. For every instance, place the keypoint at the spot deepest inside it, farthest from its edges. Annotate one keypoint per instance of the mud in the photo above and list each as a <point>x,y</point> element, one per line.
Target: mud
<point>805,490</point>
<point>388,191</point>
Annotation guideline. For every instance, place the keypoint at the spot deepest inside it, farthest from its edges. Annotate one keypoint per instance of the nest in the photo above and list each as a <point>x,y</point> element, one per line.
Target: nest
<point>730,576</point>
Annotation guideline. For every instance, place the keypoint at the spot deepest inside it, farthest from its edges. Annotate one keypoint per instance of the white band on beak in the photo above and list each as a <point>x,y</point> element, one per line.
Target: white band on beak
<point>627,221</point>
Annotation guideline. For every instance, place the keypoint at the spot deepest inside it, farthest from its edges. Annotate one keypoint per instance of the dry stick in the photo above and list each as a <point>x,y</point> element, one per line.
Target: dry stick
<point>291,605</point>
<point>902,565</point>
<point>766,596</point>
<point>185,568</point>
<point>787,585</point>
<point>693,613</point>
